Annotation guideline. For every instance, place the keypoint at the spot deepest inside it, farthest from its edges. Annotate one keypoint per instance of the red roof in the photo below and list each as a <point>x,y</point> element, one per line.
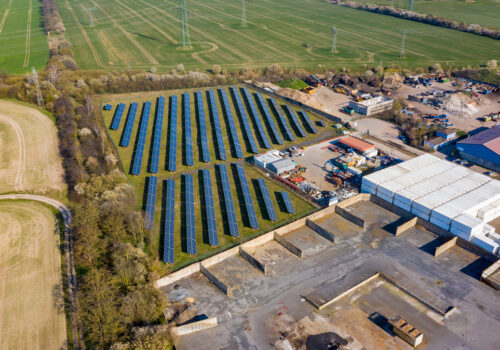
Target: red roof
<point>356,143</point>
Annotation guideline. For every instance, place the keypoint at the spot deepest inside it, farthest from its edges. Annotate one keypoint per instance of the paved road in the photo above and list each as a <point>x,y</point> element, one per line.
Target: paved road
<point>70,264</point>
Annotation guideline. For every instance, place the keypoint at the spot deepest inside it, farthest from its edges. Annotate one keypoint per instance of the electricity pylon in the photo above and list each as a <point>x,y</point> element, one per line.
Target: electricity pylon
<point>185,40</point>
<point>243,13</point>
<point>334,42</point>
<point>91,19</point>
<point>39,96</point>
<point>404,32</point>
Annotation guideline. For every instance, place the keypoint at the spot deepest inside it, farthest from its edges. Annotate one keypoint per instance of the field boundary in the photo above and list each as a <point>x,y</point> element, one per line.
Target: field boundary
<point>28,36</point>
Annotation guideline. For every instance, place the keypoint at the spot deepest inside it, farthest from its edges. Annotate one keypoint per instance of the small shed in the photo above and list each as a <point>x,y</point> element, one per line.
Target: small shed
<point>281,166</point>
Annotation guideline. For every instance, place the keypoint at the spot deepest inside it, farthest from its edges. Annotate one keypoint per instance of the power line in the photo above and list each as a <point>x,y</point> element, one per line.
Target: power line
<point>244,13</point>
<point>185,40</point>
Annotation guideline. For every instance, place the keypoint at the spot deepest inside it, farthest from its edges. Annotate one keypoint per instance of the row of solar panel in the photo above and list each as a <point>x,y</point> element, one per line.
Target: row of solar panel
<point>188,138</point>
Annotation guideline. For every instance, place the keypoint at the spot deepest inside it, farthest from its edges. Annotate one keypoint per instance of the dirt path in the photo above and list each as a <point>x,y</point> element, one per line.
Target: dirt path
<point>21,162</point>
<point>28,36</point>
<point>196,56</point>
<point>74,305</point>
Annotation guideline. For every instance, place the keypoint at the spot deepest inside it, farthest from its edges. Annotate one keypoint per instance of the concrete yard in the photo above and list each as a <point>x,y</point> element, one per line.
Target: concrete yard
<point>437,295</point>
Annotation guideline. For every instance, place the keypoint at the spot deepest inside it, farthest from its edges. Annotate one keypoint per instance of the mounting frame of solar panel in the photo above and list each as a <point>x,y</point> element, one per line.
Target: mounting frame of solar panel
<point>141,141</point>
<point>149,218</point>
<point>247,130</point>
<point>129,125</point>
<point>232,127</point>
<point>228,201</point>
<point>288,203</point>
<point>271,213</point>
<point>308,122</point>
<point>209,208</point>
<point>172,146</point>
<point>188,132</point>
<point>282,120</point>
<point>270,120</point>
<point>190,215</point>
<point>169,224</point>
<point>254,114</point>
<point>221,148</point>
<point>117,117</point>
<point>205,152</point>
<point>250,209</point>
<point>295,121</point>
<point>156,144</point>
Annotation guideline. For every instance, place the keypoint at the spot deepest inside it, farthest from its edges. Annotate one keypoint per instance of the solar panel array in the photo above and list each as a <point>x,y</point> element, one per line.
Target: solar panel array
<point>308,122</point>
<point>256,118</point>
<point>247,130</point>
<point>271,214</point>
<point>188,133</point>
<point>129,125</point>
<point>155,152</point>
<point>295,121</point>
<point>282,120</point>
<point>168,228</point>
<point>141,139</point>
<point>205,153</point>
<point>269,119</point>
<point>288,203</point>
<point>209,208</point>
<point>218,131</point>
<point>232,128</point>
<point>190,215</point>
<point>172,148</point>
<point>228,201</point>
<point>252,218</point>
<point>149,218</point>
<point>117,117</point>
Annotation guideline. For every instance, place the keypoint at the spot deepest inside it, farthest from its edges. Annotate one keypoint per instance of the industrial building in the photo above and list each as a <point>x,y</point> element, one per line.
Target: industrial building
<point>443,138</point>
<point>482,148</point>
<point>264,159</point>
<point>282,166</point>
<point>362,147</point>
<point>448,195</point>
<point>375,105</point>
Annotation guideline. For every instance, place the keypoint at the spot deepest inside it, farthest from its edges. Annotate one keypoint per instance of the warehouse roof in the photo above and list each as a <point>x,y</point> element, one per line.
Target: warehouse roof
<point>284,164</point>
<point>489,138</point>
<point>356,143</point>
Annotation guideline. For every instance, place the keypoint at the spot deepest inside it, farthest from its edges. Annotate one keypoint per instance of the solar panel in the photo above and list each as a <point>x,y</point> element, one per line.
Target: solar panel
<point>218,131</point>
<point>269,119</point>
<point>209,208</point>
<point>256,118</point>
<point>155,145</point>
<point>141,139</point>
<point>172,146</point>
<point>288,203</point>
<point>282,120</point>
<point>232,127</point>
<point>205,153</point>
<point>295,121</point>
<point>252,218</point>
<point>228,201</point>
<point>129,125</point>
<point>117,117</point>
<point>271,213</point>
<point>169,224</point>
<point>308,122</point>
<point>149,218</point>
<point>190,215</point>
<point>247,131</point>
<point>188,133</point>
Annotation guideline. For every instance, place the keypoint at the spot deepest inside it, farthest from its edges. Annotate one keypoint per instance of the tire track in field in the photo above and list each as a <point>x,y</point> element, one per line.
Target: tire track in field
<point>200,32</point>
<point>212,49</point>
<point>168,37</point>
<point>21,166</point>
<point>6,13</point>
<point>28,36</point>
<point>127,34</point>
<point>85,36</point>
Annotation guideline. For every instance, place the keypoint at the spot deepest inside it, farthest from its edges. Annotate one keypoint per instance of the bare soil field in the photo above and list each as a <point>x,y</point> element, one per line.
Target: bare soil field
<point>31,299</point>
<point>29,160</point>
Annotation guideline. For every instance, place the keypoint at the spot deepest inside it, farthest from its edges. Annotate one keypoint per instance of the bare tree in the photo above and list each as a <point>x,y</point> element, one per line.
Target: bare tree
<point>53,73</point>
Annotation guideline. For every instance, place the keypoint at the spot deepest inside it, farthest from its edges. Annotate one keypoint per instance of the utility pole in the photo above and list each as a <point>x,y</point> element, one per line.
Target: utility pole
<point>404,32</point>
<point>411,5</point>
<point>39,96</point>
<point>334,42</point>
<point>243,13</point>
<point>129,73</point>
<point>185,40</point>
<point>91,19</point>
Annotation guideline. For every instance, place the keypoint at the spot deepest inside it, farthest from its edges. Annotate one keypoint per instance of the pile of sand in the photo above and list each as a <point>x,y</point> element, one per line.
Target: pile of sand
<point>459,104</point>
<point>301,97</point>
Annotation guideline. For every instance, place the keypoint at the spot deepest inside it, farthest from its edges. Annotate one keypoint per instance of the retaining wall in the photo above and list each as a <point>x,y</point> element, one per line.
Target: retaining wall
<point>194,327</point>
<point>253,260</point>
<point>178,275</point>
<point>221,285</point>
<point>488,273</point>
<point>320,230</point>
<point>220,257</point>
<point>288,245</point>
<point>445,246</point>
<point>351,217</point>
<point>407,225</point>
<point>266,237</point>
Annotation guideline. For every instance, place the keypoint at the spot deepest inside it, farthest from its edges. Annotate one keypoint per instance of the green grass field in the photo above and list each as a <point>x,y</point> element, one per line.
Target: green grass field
<point>294,33</point>
<point>296,84</point>
<point>23,41</point>
<point>139,182</point>
<point>486,13</point>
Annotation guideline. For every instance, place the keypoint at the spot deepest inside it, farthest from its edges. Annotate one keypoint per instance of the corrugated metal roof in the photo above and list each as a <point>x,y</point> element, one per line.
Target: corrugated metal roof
<point>356,143</point>
<point>489,138</point>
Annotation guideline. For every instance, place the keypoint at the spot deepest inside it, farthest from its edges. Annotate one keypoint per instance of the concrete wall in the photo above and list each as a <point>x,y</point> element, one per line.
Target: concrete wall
<point>403,227</point>
<point>351,217</point>
<point>288,245</point>
<point>320,230</point>
<point>220,257</point>
<point>445,246</point>
<point>355,199</point>
<point>253,260</point>
<point>194,327</point>
<point>487,275</point>
<point>221,285</point>
<point>266,237</point>
<point>178,275</point>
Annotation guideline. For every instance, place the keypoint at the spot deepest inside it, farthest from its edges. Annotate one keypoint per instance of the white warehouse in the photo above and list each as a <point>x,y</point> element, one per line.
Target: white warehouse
<point>446,194</point>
